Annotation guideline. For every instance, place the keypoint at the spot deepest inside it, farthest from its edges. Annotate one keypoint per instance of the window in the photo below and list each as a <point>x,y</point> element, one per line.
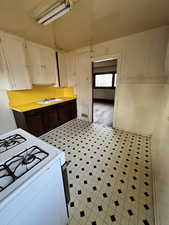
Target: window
<point>103,80</point>
<point>108,80</point>
<point>115,80</point>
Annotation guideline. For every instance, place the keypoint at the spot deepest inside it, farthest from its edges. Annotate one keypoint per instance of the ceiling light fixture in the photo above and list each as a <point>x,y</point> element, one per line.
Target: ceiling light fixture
<point>54,12</point>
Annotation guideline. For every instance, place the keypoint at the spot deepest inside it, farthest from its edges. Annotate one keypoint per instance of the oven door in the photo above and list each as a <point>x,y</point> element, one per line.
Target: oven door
<point>66,183</point>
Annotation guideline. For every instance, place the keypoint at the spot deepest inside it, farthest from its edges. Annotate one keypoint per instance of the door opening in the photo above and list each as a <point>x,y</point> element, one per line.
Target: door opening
<point>104,76</point>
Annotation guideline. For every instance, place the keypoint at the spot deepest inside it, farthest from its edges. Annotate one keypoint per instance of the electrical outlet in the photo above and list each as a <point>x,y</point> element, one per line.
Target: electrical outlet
<point>84,115</point>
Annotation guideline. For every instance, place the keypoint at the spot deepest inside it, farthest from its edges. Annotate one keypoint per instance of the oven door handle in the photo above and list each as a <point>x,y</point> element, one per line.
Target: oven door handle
<point>65,165</point>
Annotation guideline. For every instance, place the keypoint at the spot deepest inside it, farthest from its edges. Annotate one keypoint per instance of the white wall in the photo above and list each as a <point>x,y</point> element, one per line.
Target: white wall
<point>138,107</point>
<point>160,150</point>
<point>7,121</point>
<point>140,61</point>
<point>142,96</point>
<point>101,93</point>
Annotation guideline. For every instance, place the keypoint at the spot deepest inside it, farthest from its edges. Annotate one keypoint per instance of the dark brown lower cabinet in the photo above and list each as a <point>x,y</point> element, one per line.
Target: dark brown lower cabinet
<point>66,112</point>
<point>50,119</point>
<point>40,121</point>
<point>34,124</point>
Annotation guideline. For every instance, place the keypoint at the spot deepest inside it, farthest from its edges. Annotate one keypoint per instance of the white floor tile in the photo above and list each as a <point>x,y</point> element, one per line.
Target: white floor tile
<point>109,174</point>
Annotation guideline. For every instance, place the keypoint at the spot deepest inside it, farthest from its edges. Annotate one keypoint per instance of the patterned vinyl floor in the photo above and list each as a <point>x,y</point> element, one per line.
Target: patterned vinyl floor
<point>109,174</point>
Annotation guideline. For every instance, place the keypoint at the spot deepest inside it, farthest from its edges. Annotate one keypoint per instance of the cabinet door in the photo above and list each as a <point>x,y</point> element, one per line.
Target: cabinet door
<point>34,62</point>
<point>35,124</point>
<point>4,84</point>
<point>14,53</point>
<point>42,64</point>
<point>67,111</point>
<point>50,118</point>
<point>63,114</point>
<point>49,67</point>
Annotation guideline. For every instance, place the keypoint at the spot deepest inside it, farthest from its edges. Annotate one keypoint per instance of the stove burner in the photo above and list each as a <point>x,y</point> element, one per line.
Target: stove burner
<point>28,159</point>
<point>10,142</point>
<point>5,178</point>
<point>6,143</point>
<point>20,164</point>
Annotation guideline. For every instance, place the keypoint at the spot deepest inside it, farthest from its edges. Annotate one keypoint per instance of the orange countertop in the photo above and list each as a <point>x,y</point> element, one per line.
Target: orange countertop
<point>34,105</point>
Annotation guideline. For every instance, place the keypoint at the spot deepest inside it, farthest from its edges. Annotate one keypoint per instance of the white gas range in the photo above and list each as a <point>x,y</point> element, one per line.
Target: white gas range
<point>31,182</point>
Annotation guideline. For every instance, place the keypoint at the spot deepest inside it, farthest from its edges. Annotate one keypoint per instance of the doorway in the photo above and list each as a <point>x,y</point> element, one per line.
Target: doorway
<point>104,76</point>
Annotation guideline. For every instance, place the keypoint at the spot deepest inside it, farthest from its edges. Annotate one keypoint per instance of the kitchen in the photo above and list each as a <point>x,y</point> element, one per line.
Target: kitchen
<point>38,105</point>
<point>57,165</point>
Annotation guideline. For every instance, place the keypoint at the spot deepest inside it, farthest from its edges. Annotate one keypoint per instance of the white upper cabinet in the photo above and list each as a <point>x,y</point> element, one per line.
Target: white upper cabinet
<point>14,73</point>
<point>42,64</point>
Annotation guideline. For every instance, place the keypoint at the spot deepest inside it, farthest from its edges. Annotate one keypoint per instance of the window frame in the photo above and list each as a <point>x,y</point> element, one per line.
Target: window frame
<point>94,80</point>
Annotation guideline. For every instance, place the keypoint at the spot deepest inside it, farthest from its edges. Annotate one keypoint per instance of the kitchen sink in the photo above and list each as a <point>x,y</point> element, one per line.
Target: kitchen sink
<point>49,101</point>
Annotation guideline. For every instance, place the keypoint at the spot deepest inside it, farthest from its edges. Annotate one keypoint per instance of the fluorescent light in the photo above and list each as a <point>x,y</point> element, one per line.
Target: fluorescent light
<point>58,15</point>
<point>52,13</point>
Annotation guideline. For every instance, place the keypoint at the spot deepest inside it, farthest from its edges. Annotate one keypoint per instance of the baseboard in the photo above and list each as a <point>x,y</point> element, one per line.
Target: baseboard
<point>156,203</point>
<point>133,132</point>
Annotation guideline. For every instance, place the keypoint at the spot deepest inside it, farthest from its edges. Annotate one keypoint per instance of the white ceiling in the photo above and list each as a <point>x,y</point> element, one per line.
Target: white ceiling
<point>89,22</point>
